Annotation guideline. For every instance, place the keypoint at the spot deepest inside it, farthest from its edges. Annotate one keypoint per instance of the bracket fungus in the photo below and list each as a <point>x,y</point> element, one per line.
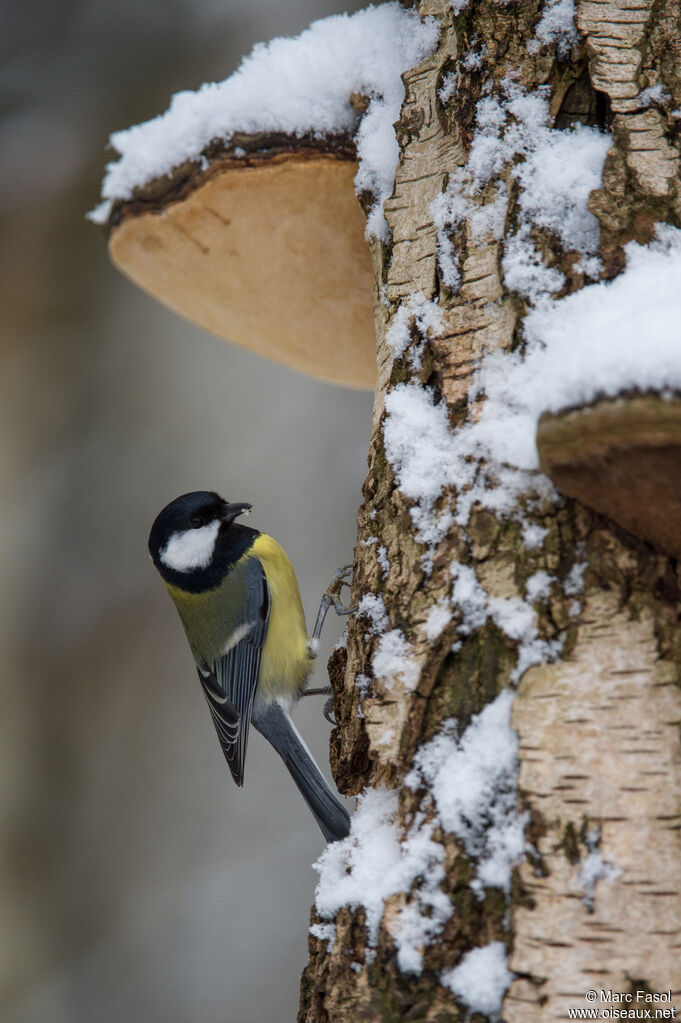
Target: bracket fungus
<point>238,207</point>
<point>262,246</point>
<point>621,457</point>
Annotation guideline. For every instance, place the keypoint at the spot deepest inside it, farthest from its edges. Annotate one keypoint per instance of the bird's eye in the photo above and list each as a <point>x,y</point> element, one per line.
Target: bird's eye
<point>195,521</point>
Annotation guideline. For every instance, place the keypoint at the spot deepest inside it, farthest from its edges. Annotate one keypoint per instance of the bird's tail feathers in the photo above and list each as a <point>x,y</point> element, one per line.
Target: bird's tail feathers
<point>272,721</point>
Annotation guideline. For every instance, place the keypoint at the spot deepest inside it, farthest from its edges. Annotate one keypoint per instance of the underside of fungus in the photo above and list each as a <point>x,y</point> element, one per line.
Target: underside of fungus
<point>263,246</point>
<point>623,458</point>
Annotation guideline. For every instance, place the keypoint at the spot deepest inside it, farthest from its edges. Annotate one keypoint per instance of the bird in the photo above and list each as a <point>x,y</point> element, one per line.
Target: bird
<point>238,599</point>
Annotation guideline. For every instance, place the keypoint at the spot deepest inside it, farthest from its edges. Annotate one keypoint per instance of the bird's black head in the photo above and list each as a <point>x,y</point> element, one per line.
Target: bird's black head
<point>194,539</point>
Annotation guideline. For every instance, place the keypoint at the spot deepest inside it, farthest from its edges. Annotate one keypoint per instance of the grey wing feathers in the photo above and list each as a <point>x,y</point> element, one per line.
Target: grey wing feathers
<point>230,686</point>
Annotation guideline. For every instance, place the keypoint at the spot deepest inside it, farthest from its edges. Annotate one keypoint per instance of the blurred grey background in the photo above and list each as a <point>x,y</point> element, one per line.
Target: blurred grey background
<point>136,882</point>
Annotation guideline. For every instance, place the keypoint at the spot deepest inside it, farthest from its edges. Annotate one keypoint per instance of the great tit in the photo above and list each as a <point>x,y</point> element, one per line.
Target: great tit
<point>239,602</point>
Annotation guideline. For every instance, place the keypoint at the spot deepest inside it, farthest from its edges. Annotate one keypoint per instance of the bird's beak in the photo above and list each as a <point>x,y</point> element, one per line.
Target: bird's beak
<point>233,511</point>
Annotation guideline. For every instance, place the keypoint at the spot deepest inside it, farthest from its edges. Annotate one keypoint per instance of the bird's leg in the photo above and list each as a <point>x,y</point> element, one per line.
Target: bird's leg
<point>328,704</point>
<point>327,711</point>
<point>331,598</point>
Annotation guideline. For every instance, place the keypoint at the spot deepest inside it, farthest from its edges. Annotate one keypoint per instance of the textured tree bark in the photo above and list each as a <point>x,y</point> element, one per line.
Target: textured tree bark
<point>598,727</point>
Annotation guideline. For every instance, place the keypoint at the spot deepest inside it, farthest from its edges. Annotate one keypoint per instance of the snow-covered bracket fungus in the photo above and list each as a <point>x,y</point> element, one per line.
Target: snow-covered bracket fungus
<point>236,208</point>
<point>264,247</point>
<point>603,380</point>
<point>623,458</point>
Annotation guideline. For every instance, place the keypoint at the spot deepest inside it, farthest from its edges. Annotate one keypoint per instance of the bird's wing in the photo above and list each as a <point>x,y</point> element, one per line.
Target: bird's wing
<point>229,684</point>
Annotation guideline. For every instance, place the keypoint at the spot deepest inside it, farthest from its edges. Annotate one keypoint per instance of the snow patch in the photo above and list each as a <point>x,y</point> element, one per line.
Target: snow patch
<point>472,60</point>
<point>653,94</point>
<point>469,597</point>
<point>439,617</point>
<point>393,660</point>
<point>559,173</point>
<point>383,560</point>
<point>374,863</point>
<point>417,314</point>
<point>592,869</point>
<point>325,932</point>
<point>481,979</point>
<point>533,535</point>
<point>574,581</point>
<point>516,618</point>
<point>525,272</point>
<point>473,782</point>
<point>608,338</point>
<point>556,26</point>
<point>538,587</point>
<point>298,85</point>
<point>372,607</point>
<point>419,443</point>
<point>556,172</point>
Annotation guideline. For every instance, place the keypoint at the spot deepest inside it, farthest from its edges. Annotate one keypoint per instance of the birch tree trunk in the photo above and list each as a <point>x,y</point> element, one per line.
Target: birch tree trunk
<point>595,902</point>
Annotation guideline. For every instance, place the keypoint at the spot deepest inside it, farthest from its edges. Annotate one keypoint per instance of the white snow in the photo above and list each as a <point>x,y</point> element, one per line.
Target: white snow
<point>298,85</point>
<point>556,173</point>
<point>557,177</point>
<point>653,94</point>
<point>393,660</point>
<point>372,607</point>
<point>559,171</point>
<point>518,620</point>
<point>574,581</point>
<point>592,869</point>
<point>448,87</point>
<point>439,617</point>
<point>381,553</point>
<point>533,535</point>
<point>608,338</point>
<point>373,863</point>
<point>474,792</point>
<point>418,315</point>
<point>469,597</point>
<point>383,560</point>
<point>473,58</point>
<point>538,586</point>
<point>419,443</point>
<point>556,25</point>
<point>473,781</point>
<point>363,683</point>
<point>450,209</point>
<point>325,932</point>
<point>524,270</point>
<point>481,979</point>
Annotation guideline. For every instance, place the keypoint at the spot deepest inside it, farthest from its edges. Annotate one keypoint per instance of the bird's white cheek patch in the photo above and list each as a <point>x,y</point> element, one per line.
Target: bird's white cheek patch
<point>192,548</point>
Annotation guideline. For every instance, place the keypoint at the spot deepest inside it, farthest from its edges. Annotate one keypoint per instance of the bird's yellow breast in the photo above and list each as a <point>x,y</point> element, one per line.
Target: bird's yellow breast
<point>285,662</point>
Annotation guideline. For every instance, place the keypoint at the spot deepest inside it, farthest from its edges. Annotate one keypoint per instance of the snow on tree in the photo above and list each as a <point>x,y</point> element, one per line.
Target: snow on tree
<point>507,699</point>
